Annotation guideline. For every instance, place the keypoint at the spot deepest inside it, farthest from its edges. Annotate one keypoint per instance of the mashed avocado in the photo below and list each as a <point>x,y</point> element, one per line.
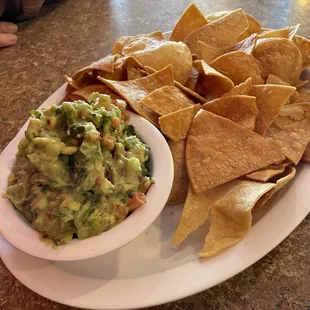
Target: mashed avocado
<point>80,169</point>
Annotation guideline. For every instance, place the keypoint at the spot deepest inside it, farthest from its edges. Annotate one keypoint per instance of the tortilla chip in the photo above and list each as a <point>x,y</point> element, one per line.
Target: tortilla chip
<point>221,33</point>
<point>291,130</point>
<point>191,20</point>
<point>193,79</point>
<point>158,54</point>
<point>86,80</point>
<point>211,83</point>
<point>209,53</point>
<point>287,33</point>
<point>165,100</point>
<point>238,66</point>
<point>301,83</point>
<point>216,15</point>
<point>176,125</point>
<point>306,155</point>
<point>185,90</point>
<point>180,181</point>
<point>254,27</point>
<point>134,90</point>
<point>134,73</point>
<point>195,212</point>
<point>83,93</point>
<point>295,97</point>
<point>280,57</point>
<point>270,99</point>
<point>240,109</point>
<point>213,159</point>
<point>304,46</point>
<point>304,93</point>
<point>265,174</point>
<point>241,89</point>
<point>105,64</point>
<point>288,176</point>
<point>123,40</point>
<point>231,205</point>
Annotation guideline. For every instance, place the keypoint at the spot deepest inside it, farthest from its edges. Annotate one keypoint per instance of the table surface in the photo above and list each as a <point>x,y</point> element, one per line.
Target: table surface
<point>71,34</point>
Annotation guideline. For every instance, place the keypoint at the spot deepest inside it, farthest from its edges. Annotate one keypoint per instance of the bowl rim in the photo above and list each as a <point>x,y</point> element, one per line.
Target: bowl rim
<point>17,231</point>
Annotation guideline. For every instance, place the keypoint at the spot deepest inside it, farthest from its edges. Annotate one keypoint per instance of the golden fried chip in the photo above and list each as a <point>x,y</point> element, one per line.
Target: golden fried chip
<point>193,79</point>
<point>83,93</point>
<point>241,89</point>
<point>219,150</point>
<point>160,53</point>
<point>180,181</point>
<point>134,73</point>
<point>238,66</point>
<point>289,174</point>
<point>209,53</point>
<point>211,83</point>
<point>270,99</point>
<point>195,212</point>
<point>304,93</point>
<point>216,15</point>
<point>190,20</point>
<point>123,40</point>
<point>165,100</point>
<point>254,27</point>
<point>134,90</point>
<point>306,155</point>
<point>287,33</point>
<point>176,124</point>
<point>265,174</point>
<point>295,97</point>
<point>221,33</point>
<point>304,46</point>
<point>291,130</point>
<point>185,89</point>
<point>280,57</point>
<point>240,109</point>
<point>231,205</point>
<point>86,80</point>
<point>105,64</point>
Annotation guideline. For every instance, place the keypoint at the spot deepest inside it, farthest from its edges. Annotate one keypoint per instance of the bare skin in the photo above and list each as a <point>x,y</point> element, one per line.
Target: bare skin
<point>7,34</point>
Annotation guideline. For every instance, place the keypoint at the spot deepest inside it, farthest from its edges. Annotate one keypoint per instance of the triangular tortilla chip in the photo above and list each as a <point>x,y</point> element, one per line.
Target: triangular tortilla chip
<point>185,89</point>
<point>272,79</point>
<point>219,150</point>
<point>216,15</point>
<point>122,41</point>
<point>176,125</point>
<point>241,89</point>
<point>291,130</point>
<point>195,212</point>
<point>165,100</point>
<point>134,90</point>
<point>211,83</point>
<point>83,93</point>
<point>209,53</point>
<point>280,57</point>
<point>270,99</point>
<point>105,64</point>
<point>180,181</point>
<point>161,53</point>
<point>254,27</point>
<point>192,79</point>
<point>231,205</point>
<point>287,33</point>
<point>265,174</point>
<point>238,66</point>
<point>240,109</point>
<point>303,45</point>
<point>191,20</point>
<point>221,33</point>
<point>289,174</point>
<point>86,80</point>
<point>134,73</point>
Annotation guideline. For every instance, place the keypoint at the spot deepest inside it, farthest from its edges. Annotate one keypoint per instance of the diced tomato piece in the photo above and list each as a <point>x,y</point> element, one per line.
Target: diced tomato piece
<point>137,200</point>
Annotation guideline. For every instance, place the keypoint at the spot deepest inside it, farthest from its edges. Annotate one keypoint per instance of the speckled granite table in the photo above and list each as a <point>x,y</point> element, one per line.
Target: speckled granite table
<point>70,34</point>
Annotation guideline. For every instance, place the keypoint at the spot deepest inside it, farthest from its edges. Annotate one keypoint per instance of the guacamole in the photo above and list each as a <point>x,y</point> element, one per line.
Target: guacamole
<point>80,169</point>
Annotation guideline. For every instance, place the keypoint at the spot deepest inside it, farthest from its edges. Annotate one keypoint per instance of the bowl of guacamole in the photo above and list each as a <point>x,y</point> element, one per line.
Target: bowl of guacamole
<point>81,170</point>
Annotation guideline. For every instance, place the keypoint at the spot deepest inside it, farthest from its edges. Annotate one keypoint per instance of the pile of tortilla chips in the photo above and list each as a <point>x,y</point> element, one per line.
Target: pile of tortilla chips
<point>227,95</point>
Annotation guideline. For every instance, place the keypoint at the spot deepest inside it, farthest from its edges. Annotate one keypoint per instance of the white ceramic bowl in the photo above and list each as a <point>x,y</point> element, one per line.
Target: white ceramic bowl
<point>16,230</point>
